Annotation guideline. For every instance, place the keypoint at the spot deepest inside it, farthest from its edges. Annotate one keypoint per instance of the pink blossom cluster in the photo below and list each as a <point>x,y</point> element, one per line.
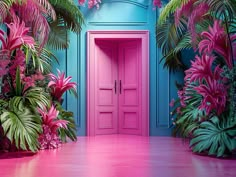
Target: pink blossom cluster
<point>91,3</point>
<point>49,138</point>
<point>96,3</point>
<point>210,83</point>
<point>157,3</point>
<point>59,84</point>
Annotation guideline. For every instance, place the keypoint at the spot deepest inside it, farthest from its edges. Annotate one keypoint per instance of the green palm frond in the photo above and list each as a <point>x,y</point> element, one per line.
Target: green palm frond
<point>168,36</point>
<point>217,137</point>
<point>58,36</point>
<point>222,8</point>
<point>184,43</point>
<point>21,126</point>
<point>41,58</point>
<point>48,7</point>
<point>169,9</point>
<point>70,13</point>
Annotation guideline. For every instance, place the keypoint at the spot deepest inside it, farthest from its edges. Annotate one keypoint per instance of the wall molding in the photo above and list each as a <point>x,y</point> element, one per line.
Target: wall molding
<point>144,6</point>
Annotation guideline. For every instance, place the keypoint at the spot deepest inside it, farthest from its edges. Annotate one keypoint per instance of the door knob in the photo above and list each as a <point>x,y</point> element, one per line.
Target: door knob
<point>115,87</point>
<point>120,86</point>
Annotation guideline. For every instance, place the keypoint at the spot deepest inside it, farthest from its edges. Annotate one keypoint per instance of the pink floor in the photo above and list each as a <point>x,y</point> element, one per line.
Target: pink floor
<point>117,156</point>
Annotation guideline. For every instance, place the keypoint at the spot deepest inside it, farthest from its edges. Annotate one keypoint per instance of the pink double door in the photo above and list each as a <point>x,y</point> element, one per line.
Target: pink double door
<point>118,87</point>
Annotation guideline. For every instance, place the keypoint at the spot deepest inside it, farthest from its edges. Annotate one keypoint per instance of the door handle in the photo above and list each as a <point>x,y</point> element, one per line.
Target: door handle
<point>120,86</point>
<point>115,86</point>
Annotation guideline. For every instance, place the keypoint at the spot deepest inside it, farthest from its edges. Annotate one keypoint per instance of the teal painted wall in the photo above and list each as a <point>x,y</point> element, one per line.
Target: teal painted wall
<point>120,15</point>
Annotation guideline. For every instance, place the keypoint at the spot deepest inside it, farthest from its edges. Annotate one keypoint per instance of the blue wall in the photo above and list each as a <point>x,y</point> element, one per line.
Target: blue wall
<point>120,15</point>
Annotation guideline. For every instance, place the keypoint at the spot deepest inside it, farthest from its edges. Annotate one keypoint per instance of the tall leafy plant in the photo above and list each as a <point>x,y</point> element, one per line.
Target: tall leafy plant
<point>29,110</point>
<point>205,110</point>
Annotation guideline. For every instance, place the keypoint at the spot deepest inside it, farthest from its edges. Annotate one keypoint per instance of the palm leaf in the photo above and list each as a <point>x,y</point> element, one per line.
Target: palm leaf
<point>58,36</point>
<point>168,37</point>
<point>222,8</point>
<point>216,137</point>
<point>21,126</point>
<point>70,13</point>
<point>169,9</point>
<point>41,58</point>
<point>184,43</point>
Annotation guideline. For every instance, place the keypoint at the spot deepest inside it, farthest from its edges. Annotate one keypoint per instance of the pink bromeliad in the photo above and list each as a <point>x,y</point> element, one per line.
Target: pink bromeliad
<point>60,84</point>
<point>49,138</point>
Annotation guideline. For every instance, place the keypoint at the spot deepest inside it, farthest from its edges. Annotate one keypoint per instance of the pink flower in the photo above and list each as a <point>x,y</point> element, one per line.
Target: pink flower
<point>49,138</point>
<point>28,81</point>
<point>19,61</point>
<point>59,84</point>
<point>17,36</point>
<point>38,76</point>
<point>92,3</point>
<point>201,69</point>
<point>81,2</point>
<point>157,3</point>
<point>172,103</point>
<point>185,10</point>
<point>214,96</point>
<point>216,40</point>
<point>181,95</point>
<point>196,15</point>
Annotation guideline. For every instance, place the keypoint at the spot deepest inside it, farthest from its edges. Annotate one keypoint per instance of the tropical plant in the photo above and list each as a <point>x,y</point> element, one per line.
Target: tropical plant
<point>27,107</point>
<point>59,84</point>
<point>49,137</point>
<point>21,125</point>
<point>205,110</point>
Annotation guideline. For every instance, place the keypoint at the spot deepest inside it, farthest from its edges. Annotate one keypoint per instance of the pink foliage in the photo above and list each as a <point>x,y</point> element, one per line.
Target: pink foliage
<point>181,95</point>
<point>196,15</point>
<point>93,3</point>
<point>34,16</point>
<point>60,84</point>
<point>4,62</point>
<point>18,35</point>
<point>81,2</point>
<point>214,96</point>
<point>216,40</point>
<point>201,68</point>
<point>185,10</point>
<point>157,3</point>
<point>49,138</point>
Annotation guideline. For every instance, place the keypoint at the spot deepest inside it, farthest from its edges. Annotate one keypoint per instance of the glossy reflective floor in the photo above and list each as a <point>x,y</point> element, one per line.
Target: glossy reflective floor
<point>117,156</point>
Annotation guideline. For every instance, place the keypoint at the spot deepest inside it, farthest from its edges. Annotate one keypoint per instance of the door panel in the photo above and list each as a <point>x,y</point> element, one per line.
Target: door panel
<point>130,88</point>
<point>106,102</point>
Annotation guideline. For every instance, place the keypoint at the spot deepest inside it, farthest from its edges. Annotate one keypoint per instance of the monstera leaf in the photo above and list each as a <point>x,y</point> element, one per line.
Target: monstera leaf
<point>216,137</point>
<point>21,126</point>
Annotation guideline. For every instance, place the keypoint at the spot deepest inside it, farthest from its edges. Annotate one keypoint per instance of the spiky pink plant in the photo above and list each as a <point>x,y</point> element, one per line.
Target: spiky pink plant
<point>201,68</point>
<point>18,35</point>
<point>196,15</point>
<point>49,139</point>
<point>214,96</point>
<point>216,40</point>
<point>184,11</point>
<point>60,84</point>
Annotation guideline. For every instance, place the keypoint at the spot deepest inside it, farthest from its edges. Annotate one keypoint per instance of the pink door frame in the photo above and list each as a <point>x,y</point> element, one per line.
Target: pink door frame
<point>143,35</point>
